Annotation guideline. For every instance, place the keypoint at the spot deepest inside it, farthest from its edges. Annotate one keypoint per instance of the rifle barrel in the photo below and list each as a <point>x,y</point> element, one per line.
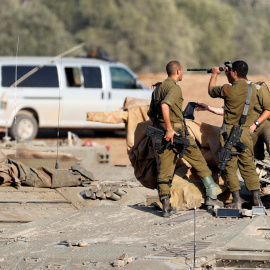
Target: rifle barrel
<point>198,69</point>
<point>209,70</point>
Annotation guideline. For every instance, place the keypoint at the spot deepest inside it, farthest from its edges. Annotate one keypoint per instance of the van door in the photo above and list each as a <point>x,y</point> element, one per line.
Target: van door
<point>125,84</point>
<point>83,91</point>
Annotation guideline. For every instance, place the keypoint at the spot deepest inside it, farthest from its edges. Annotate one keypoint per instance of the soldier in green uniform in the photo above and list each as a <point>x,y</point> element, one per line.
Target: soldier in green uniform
<point>166,108</point>
<point>235,96</point>
<point>261,133</point>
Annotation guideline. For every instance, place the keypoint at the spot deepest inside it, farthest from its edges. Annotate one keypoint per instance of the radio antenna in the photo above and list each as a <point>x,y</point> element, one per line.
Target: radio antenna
<point>58,121</point>
<point>15,93</point>
<point>194,238</point>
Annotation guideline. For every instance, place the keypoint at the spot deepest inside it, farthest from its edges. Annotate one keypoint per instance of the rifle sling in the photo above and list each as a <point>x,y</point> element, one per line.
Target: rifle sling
<point>155,93</point>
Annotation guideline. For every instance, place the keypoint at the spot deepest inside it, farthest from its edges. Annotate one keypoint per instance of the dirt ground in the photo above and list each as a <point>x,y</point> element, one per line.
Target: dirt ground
<point>194,87</point>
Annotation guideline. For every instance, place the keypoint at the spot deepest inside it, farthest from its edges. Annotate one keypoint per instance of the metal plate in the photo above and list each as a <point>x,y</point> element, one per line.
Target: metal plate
<point>24,205</point>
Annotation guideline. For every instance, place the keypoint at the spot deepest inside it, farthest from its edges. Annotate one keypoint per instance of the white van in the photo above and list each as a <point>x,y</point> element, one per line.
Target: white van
<point>63,91</point>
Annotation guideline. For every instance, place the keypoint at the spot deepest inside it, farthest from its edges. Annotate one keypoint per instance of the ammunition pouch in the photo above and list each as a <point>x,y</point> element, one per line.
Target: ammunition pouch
<point>210,187</point>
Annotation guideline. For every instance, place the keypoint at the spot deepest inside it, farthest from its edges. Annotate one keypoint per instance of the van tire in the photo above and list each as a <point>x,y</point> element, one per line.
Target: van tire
<point>26,127</point>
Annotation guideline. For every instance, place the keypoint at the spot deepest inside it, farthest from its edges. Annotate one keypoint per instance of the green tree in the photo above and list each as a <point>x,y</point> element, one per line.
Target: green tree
<point>213,21</point>
<point>40,31</point>
<point>251,33</point>
<point>144,36</point>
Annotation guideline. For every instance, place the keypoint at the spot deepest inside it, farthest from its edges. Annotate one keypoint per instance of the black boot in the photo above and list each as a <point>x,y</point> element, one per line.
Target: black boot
<point>166,207</point>
<point>236,203</point>
<point>256,198</point>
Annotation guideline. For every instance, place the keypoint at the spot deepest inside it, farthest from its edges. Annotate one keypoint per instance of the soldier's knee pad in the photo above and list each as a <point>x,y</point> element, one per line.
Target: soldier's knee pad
<point>210,187</point>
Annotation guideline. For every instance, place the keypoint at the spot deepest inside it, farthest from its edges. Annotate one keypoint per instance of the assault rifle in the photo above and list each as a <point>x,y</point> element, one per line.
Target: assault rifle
<point>225,153</point>
<point>158,135</point>
<point>209,70</point>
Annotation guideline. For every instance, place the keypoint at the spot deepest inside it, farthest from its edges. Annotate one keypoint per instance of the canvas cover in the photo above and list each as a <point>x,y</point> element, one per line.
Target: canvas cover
<point>187,190</point>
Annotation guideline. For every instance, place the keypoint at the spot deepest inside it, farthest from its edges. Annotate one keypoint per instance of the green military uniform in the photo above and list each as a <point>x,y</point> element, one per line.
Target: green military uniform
<point>170,93</point>
<point>234,101</point>
<point>262,134</point>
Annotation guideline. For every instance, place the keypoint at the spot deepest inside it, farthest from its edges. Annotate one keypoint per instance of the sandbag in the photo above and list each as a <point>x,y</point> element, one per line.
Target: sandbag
<point>187,190</point>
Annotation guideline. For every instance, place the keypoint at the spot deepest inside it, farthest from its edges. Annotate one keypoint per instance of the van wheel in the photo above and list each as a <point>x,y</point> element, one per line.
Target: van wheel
<point>25,128</point>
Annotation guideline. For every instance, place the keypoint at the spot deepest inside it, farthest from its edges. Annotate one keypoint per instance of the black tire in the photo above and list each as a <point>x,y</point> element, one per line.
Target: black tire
<point>25,128</point>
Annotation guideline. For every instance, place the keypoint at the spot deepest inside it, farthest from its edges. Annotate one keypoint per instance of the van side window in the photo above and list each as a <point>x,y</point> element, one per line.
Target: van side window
<point>44,77</point>
<point>92,77</point>
<point>121,79</point>
<point>73,75</point>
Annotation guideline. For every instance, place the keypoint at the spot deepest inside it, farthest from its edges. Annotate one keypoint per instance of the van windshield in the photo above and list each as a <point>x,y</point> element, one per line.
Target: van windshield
<point>44,77</point>
<point>121,79</point>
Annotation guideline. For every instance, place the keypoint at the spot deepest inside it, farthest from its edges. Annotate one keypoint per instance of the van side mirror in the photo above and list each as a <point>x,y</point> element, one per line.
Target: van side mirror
<point>138,84</point>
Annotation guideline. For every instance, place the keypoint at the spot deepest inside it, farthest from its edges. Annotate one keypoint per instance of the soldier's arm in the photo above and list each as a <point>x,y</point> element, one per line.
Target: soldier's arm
<point>213,79</point>
<point>264,116</point>
<point>264,101</point>
<point>205,107</point>
<point>166,116</point>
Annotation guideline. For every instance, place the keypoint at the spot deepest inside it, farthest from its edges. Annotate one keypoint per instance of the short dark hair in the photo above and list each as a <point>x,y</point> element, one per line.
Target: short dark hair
<point>241,67</point>
<point>172,67</point>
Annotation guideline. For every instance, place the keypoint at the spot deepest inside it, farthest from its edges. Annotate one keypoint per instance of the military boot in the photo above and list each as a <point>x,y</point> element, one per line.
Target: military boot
<point>236,203</point>
<point>256,198</point>
<point>211,192</point>
<point>166,207</point>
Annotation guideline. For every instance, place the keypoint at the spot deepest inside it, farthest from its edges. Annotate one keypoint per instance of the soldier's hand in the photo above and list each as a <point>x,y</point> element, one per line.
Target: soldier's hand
<point>201,107</point>
<point>252,128</point>
<point>215,70</point>
<point>169,135</point>
<point>229,75</point>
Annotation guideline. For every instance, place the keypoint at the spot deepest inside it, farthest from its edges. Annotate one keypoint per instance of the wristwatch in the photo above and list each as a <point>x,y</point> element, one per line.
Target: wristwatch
<point>257,123</point>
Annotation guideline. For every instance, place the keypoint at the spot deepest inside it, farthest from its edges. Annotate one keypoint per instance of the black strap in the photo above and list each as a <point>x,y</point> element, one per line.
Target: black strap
<point>165,183</point>
<point>186,130</point>
<point>155,94</point>
<point>164,195</point>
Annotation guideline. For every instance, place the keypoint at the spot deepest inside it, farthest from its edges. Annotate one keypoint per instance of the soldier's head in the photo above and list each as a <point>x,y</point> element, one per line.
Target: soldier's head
<point>175,70</point>
<point>241,68</point>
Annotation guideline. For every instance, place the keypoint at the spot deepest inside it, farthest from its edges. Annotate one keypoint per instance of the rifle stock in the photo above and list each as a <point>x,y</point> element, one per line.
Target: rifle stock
<point>158,135</point>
